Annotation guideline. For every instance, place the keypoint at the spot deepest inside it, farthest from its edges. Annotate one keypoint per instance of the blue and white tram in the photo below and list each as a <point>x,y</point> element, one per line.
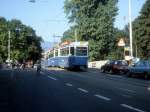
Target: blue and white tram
<point>72,55</point>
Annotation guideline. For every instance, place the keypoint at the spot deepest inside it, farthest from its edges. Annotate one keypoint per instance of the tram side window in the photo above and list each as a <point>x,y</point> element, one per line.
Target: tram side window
<point>81,51</point>
<point>64,51</point>
<point>56,52</point>
<point>61,52</point>
<point>50,54</point>
<point>67,51</point>
<point>72,51</point>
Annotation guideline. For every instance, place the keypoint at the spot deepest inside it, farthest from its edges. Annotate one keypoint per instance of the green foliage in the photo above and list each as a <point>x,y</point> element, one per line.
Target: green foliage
<point>69,35</point>
<point>25,44</point>
<point>117,52</point>
<point>141,32</point>
<point>1,60</point>
<point>94,20</point>
<point>3,38</point>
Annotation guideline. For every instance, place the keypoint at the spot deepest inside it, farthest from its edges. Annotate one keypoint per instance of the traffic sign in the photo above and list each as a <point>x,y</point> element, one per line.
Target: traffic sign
<point>121,42</point>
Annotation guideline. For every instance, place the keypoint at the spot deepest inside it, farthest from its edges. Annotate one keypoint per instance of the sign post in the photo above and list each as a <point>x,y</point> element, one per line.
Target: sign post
<point>121,43</point>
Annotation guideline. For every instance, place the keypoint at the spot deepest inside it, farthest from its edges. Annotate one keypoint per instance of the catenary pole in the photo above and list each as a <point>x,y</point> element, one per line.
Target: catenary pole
<point>9,45</point>
<point>130,30</point>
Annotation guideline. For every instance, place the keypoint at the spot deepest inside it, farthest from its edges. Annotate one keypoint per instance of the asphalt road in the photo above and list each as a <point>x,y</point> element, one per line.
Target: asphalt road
<point>68,91</point>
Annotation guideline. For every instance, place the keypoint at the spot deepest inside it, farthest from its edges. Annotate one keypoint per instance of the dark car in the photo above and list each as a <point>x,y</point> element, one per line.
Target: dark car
<point>117,66</point>
<point>142,68</point>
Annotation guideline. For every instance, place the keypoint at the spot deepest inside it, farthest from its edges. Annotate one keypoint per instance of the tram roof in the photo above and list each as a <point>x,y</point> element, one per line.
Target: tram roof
<point>71,44</point>
<point>80,43</point>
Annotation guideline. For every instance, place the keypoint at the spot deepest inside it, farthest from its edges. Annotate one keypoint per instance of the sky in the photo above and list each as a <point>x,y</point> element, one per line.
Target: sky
<point>47,17</point>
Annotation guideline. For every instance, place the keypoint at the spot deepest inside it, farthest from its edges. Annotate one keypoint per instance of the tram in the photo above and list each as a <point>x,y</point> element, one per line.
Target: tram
<point>69,55</point>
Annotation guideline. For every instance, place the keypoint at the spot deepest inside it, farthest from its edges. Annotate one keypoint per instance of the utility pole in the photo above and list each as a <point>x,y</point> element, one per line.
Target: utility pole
<point>55,43</point>
<point>130,31</point>
<point>9,33</point>
<point>76,40</point>
<point>57,36</point>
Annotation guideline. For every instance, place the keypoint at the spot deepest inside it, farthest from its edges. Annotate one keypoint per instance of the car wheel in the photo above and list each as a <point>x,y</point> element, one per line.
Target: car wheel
<point>146,76</point>
<point>102,70</point>
<point>111,71</point>
<point>121,72</point>
<point>128,74</point>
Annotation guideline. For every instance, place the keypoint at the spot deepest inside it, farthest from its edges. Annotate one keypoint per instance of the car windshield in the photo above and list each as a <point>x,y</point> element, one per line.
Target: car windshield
<point>124,63</point>
<point>110,62</point>
<point>142,64</point>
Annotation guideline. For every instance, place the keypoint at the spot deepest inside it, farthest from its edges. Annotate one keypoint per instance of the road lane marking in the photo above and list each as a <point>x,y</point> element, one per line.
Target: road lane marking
<point>148,88</point>
<point>132,108</point>
<point>93,71</point>
<point>83,90</point>
<point>127,96</point>
<point>52,78</point>
<point>128,90</point>
<point>102,97</point>
<point>68,84</point>
<point>115,76</point>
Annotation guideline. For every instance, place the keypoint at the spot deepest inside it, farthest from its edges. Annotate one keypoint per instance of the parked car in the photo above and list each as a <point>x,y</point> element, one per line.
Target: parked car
<point>142,68</point>
<point>117,66</point>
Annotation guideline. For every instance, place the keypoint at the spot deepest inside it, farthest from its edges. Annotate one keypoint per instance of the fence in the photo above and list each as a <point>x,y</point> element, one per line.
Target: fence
<point>96,64</point>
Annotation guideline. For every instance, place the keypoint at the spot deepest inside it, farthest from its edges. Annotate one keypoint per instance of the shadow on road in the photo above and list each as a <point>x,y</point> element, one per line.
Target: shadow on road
<point>6,91</point>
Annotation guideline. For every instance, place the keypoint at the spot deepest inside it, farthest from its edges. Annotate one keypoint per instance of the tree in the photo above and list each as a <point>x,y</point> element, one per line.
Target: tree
<point>3,38</point>
<point>25,44</point>
<point>69,35</point>
<point>95,23</point>
<point>141,31</point>
<point>117,52</point>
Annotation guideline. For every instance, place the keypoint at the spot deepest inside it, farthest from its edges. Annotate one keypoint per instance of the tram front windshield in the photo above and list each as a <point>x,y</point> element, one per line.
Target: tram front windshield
<point>81,51</point>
